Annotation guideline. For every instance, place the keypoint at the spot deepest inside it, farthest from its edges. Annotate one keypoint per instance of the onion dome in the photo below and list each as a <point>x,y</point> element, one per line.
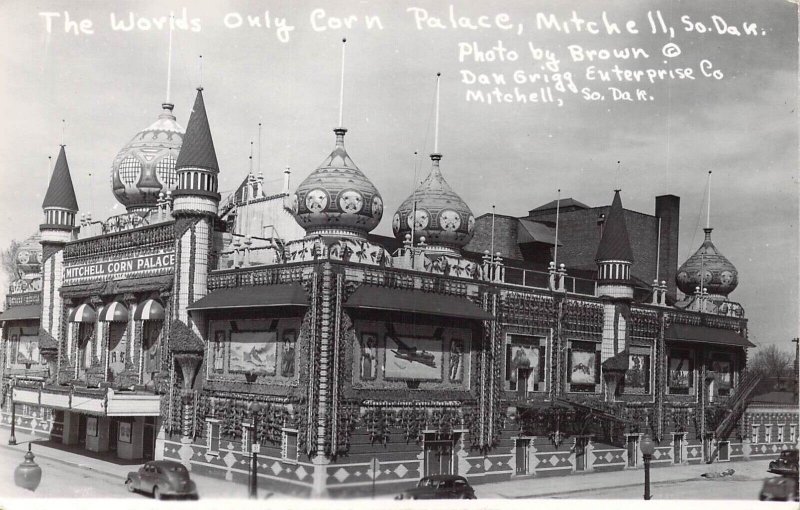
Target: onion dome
<point>146,165</point>
<point>442,217</point>
<point>720,276</point>
<point>29,256</point>
<point>337,198</point>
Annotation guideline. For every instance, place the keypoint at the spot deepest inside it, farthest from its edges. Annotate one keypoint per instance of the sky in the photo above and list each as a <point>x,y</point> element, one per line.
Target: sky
<point>736,115</point>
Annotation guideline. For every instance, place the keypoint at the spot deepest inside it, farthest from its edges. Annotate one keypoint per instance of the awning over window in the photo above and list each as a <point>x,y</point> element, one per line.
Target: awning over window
<point>257,296</point>
<point>114,312</point>
<point>415,301</point>
<point>150,310</point>
<point>705,335</point>
<point>24,312</point>
<point>83,313</point>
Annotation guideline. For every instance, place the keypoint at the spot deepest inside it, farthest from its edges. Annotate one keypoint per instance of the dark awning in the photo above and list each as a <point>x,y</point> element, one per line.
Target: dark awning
<point>24,312</point>
<point>705,335</point>
<point>535,232</point>
<point>415,301</point>
<point>256,296</point>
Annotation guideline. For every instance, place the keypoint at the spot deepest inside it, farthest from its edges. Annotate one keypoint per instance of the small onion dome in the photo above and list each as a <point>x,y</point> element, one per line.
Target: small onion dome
<point>720,276</point>
<point>337,197</point>
<point>29,255</point>
<point>146,165</point>
<point>442,217</point>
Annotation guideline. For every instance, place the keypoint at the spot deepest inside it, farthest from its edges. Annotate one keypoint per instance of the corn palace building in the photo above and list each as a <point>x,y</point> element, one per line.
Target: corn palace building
<point>193,328</point>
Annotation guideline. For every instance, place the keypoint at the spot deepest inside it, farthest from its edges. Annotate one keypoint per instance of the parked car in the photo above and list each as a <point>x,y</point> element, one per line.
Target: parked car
<point>162,478</point>
<point>780,488</point>
<point>786,464</point>
<point>440,487</point>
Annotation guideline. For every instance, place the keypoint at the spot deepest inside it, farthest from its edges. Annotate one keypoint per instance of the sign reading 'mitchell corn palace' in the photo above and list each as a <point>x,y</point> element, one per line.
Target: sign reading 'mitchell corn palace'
<point>122,268</point>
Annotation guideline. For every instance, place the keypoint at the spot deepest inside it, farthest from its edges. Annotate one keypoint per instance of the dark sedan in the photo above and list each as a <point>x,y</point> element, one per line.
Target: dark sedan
<point>162,478</point>
<point>786,464</point>
<point>780,488</point>
<point>440,487</point>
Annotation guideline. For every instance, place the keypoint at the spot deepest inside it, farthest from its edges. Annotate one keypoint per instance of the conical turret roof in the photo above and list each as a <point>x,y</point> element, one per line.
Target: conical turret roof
<point>60,192</point>
<point>615,243</point>
<point>198,146</point>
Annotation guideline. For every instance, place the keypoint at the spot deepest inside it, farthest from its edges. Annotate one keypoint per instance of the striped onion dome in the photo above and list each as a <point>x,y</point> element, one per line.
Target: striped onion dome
<point>337,198</point>
<point>442,217</point>
<point>146,165</point>
<point>720,276</point>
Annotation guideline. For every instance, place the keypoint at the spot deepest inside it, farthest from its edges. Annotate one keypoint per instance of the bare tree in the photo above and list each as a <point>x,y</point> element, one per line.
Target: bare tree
<point>8,261</point>
<point>771,360</point>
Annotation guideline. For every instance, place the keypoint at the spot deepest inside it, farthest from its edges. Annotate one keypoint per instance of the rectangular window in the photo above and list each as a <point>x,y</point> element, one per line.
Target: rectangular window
<point>721,365</point>
<point>637,377</point>
<point>525,364</point>
<point>754,434</point>
<point>724,450</point>
<point>780,433</point>
<point>583,367</point>
<point>289,451</point>
<point>680,374</point>
<point>768,433</point>
<point>792,433</point>
<point>213,436</point>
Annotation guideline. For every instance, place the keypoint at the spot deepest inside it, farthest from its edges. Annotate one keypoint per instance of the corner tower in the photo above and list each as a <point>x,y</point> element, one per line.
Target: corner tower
<point>195,208</point>
<point>614,255</point>
<point>60,207</point>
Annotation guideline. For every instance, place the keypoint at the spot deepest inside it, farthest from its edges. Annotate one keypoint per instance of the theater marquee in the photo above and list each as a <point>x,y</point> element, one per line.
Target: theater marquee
<point>120,269</point>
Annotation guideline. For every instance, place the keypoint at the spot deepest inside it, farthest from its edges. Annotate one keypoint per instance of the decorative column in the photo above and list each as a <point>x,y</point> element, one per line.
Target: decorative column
<point>187,353</point>
<point>48,348</point>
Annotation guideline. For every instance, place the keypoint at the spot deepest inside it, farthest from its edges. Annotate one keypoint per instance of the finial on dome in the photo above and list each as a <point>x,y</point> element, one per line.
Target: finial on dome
<point>169,61</point>
<point>200,86</point>
<point>708,210</point>
<point>436,131</point>
<point>341,85</point>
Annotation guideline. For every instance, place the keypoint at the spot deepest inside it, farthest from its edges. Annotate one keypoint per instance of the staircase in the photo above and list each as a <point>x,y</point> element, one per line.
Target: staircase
<point>737,405</point>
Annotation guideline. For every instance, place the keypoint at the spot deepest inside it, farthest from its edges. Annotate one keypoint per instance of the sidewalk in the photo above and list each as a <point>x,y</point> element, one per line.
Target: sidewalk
<point>209,488</point>
<point>213,488</point>
<point>561,485</point>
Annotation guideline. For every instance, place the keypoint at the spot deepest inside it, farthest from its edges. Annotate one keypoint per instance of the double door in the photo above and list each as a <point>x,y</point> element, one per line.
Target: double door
<point>438,457</point>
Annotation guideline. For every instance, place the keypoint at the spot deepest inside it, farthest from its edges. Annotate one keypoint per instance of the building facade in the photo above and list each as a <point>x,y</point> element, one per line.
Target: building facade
<point>192,328</point>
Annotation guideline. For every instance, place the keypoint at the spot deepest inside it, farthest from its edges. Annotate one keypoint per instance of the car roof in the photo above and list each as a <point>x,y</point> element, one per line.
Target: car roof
<point>445,477</point>
<point>164,463</point>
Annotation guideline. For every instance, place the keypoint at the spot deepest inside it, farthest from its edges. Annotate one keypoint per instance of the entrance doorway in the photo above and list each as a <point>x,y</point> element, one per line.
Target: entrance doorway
<point>522,446</point>
<point>438,455</point>
<point>633,447</point>
<point>82,430</point>
<point>149,438</point>
<point>580,453</point>
<point>677,448</point>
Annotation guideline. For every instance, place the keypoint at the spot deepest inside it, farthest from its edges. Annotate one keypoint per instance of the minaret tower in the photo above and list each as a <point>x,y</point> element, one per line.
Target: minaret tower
<point>614,285</point>
<point>60,208</point>
<point>614,255</point>
<point>195,207</point>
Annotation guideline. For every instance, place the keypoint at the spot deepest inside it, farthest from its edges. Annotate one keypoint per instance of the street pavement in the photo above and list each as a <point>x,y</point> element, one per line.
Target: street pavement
<point>71,475</point>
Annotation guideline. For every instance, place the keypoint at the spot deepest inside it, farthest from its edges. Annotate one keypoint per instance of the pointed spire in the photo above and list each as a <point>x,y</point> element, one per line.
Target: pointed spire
<point>198,146</point>
<point>615,243</point>
<point>61,193</point>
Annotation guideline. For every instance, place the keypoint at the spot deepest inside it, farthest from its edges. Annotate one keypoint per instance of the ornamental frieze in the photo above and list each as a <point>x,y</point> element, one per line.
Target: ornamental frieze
<point>140,238</point>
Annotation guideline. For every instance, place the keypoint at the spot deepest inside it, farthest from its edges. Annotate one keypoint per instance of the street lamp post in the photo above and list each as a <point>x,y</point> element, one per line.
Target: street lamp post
<point>648,447</point>
<point>254,448</point>
<point>13,439</point>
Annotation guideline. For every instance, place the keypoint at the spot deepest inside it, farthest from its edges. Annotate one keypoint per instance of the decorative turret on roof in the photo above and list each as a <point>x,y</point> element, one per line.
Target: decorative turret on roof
<point>442,217</point>
<point>720,276</point>
<point>197,166</point>
<point>59,205</point>
<point>337,198</point>
<point>60,192</point>
<point>614,255</point>
<point>145,166</point>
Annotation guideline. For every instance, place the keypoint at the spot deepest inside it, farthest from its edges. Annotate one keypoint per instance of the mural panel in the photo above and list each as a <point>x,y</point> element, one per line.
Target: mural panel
<point>637,377</point>
<point>254,351</point>
<point>582,366</point>
<point>413,358</point>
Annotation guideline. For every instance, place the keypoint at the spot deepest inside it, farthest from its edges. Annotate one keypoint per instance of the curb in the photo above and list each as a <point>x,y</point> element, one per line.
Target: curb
<point>68,463</point>
<point>576,491</point>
